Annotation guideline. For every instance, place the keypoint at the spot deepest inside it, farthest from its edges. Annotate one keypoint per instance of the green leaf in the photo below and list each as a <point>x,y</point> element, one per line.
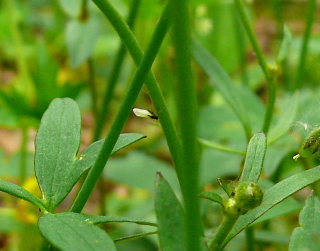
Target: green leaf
<point>87,158</point>
<point>254,159</point>
<point>115,219</point>
<point>212,196</point>
<point>21,193</point>
<point>307,236</point>
<point>275,195</point>
<point>72,231</point>
<point>170,217</point>
<point>57,143</point>
<point>285,45</point>
<point>223,82</point>
<point>288,112</point>
<point>71,7</point>
<point>81,38</point>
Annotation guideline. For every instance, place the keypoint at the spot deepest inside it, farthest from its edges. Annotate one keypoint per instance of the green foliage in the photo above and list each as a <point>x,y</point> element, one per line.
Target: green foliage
<point>70,231</point>
<point>250,99</point>
<point>170,217</point>
<point>307,235</point>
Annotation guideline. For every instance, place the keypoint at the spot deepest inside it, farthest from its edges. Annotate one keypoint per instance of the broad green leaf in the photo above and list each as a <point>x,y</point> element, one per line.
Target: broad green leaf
<point>21,193</point>
<point>81,38</point>
<point>288,112</point>
<point>223,83</point>
<point>254,158</point>
<point>170,217</point>
<point>285,45</point>
<point>57,143</point>
<point>71,7</point>
<point>211,196</point>
<point>307,236</point>
<point>72,231</point>
<point>273,196</point>
<point>115,219</point>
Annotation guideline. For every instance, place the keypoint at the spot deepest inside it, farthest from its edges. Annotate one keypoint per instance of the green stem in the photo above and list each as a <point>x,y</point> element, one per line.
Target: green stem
<point>114,76</point>
<point>271,80</point>
<point>93,87</point>
<point>224,229</point>
<point>250,238</point>
<point>304,47</point>
<point>24,154</point>
<point>84,10</point>
<point>220,147</point>
<point>124,112</point>
<point>186,105</point>
<point>155,93</point>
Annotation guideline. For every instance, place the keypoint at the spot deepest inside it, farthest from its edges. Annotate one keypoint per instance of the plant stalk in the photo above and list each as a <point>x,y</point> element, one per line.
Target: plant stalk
<point>124,112</point>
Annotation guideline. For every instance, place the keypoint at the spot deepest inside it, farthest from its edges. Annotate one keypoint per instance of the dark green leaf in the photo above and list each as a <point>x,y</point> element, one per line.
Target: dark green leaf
<point>21,193</point>
<point>170,217</point>
<point>254,158</point>
<point>45,77</point>
<point>275,195</point>
<point>212,196</point>
<point>72,231</point>
<point>57,143</point>
<point>81,38</point>
<point>307,236</point>
<point>223,82</point>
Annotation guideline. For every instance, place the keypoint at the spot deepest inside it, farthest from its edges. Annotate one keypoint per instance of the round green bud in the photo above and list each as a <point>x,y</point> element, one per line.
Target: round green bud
<point>247,195</point>
<point>230,208</point>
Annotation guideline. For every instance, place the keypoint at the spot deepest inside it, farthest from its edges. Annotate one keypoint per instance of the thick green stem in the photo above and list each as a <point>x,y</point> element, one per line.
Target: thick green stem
<point>186,105</point>
<point>224,229</point>
<point>304,46</point>
<point>114,76</point>
<point>271,80</point>
<point>124,112</point>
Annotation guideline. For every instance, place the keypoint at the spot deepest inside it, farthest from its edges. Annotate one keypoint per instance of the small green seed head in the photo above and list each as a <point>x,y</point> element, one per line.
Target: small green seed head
<point>311,144</point>
<point>248,195</point>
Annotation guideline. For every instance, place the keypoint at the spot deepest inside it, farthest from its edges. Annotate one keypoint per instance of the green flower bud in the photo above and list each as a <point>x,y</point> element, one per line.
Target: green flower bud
<point>247,195</point>
<point>310,145</point>
<point>230,208</point>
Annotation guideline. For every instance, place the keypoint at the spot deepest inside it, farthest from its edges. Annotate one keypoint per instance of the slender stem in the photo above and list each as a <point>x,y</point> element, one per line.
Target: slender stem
<point>124,112</point>
<point>220,147</point>
<point>93,87</point>
<point>84,10</point>
<point>271,80</point>
<point>186,104</point>
<point>224,229</point>
<point>155,93</point>
<point>24,154</point>
<point>114,76</point>
<point>304,46</point>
